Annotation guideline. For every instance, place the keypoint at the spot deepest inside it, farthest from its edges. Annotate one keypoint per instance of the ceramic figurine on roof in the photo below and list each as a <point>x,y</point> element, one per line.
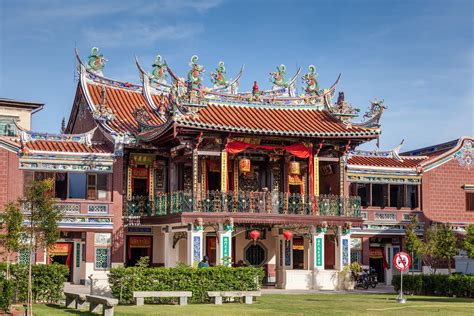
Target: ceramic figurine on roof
<point>278,77</point>
<point>96,62</point>
<point>312,87</point>
<point>102,112</point>
<point>343,111</point>
<point>374,115</point>
<point>218,77</point>
<point>194,75</point>
<point>159,70</point>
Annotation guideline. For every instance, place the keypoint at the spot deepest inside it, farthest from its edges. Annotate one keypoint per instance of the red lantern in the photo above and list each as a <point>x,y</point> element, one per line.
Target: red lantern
<point>244,165</point>
<point>295,168</point>
<point>287,234</point>
<point>254,234</point>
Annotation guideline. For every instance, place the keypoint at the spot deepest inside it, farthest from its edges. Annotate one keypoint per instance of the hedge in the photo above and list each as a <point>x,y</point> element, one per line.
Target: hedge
<point>48,282</point>
<point>124,280</point>
<point>459,285</point>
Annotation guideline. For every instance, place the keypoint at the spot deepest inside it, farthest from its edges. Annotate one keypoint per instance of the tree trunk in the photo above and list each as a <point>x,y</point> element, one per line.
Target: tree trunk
<point>8,265</point>
<point>29,302</point>
<point>449,265</point>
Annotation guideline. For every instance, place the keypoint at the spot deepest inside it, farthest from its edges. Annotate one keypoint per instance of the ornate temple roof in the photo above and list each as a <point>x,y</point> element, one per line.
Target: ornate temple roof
<point>291,121</point>
<point>123,103</point>
<point>34,142</point>
<point>386,162</point>
<point>164,101</point>
<point>64,147</point>
<point>63,152</point>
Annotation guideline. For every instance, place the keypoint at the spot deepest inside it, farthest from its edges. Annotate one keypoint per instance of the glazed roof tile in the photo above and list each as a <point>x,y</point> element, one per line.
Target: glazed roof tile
<point>123,103</point>
<point>65,147</point>
<point>387,162</point>
<point>271,120</point>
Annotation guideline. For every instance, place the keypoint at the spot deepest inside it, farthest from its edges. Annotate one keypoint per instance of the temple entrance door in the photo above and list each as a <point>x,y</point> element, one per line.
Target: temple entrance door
<point>298,253</point>
<point>377,264</point>
<point>214,181</point>
<point>62,253</point>
<point>137,247</point>
<point>211,249</point>
<point>140,187</point>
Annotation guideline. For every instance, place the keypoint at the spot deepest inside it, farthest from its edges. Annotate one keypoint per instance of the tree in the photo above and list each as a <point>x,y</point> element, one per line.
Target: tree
<point>446,244</point>
<point>428,246</point>
<point>42,219</point>
<point>12,220</point>
<point>468,243</point>
<point>413,243</point>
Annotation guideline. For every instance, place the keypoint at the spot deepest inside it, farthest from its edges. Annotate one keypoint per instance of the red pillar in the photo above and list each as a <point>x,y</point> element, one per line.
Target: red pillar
<point>365,250</point>
<point>118,235</point>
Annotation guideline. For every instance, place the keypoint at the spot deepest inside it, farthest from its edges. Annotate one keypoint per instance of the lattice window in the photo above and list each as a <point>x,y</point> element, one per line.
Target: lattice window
<point>364,215</point>
<point>23,256</point>
<point>385,216</point>
<point>102,258</point>
<point>98,208</point>
<point>69,208</point>
<point>356,255</point>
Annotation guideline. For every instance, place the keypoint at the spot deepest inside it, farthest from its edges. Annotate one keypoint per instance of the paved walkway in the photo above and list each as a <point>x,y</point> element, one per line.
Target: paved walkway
<point>380,289</point>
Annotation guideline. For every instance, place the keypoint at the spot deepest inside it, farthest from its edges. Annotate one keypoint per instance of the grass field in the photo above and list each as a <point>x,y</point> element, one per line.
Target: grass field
<point>317,304</point>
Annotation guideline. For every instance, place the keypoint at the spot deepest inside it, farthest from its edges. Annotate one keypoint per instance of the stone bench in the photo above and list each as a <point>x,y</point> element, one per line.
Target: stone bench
<point>247,295</point>
<point>108,304</point>
<point>75,300</point>
<point>140,296</point>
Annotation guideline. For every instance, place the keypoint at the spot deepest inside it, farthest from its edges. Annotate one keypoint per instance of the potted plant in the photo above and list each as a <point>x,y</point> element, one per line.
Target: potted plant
<point>348,276</point>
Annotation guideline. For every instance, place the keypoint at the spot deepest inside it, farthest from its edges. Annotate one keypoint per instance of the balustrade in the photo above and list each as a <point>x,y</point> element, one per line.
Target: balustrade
<point>244,202</point>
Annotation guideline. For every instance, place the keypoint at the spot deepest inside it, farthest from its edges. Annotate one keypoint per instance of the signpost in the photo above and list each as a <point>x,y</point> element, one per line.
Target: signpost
<point>402,262</point>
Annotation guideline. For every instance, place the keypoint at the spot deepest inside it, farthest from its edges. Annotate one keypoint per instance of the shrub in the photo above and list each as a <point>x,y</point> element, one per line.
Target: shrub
<point>460,285</point>
<point>123,281</point>
<point>47,281</point>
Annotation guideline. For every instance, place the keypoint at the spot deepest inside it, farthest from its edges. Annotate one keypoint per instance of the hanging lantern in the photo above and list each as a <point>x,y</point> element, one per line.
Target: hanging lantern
<point>244,164</point>
<point>287,234</point>
<point>254,234</point>
<point>294,168</point>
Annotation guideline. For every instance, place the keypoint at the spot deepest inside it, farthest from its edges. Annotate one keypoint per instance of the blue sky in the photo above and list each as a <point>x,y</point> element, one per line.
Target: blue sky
<point>416,55</point>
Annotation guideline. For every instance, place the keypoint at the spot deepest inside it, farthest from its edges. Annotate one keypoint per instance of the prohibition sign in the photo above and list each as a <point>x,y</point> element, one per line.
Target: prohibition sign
<point>402,261</point>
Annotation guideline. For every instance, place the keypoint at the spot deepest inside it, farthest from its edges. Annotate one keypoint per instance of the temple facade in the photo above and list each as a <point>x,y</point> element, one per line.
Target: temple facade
<point>175,171</point>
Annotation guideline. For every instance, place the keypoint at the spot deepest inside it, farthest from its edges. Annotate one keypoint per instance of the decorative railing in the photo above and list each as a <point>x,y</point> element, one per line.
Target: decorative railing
<point>243,202</point>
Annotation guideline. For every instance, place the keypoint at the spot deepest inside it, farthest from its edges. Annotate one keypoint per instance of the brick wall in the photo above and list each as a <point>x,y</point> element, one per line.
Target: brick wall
<point>11,178</point>
<point>443,195</point>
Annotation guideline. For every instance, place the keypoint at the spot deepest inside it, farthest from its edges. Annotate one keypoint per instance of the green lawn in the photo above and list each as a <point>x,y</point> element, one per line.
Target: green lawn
<point>318,304</point>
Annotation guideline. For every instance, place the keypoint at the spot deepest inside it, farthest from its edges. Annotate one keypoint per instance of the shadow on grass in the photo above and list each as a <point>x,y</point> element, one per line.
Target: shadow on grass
<point>65,310</point>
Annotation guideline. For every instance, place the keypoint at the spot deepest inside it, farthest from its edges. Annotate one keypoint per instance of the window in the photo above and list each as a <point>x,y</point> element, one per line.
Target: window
<point>362,190</point>
<point>470,201</point>
<point>356,250</point>
<point>102,243</point>
<point>412,196</point>
<point>379,195</point>
<point>77,186</point>
<point>60,186</point>
<point>396,195</point>
<point>7,125</point>
<point>23,256</point>
<point>88,186</point>
<point>415,263</point>
<point>255,255</point>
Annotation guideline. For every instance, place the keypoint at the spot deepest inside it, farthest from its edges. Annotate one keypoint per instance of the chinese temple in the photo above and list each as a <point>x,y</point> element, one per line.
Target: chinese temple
<point>176,170</point>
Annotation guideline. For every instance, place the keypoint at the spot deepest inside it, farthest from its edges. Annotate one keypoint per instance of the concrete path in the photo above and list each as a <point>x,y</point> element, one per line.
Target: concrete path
<point>380,289</point>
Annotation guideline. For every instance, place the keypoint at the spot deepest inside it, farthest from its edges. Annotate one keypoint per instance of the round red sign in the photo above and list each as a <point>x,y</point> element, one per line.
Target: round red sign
<point>402,261</point>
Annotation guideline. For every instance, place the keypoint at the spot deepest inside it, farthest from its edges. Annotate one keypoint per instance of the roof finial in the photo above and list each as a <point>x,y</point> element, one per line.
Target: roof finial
<point>96,62</point>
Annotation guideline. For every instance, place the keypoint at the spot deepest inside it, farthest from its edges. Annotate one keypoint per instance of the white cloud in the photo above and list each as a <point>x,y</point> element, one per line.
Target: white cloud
<point>418,83</point>
<point>139,34</point>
